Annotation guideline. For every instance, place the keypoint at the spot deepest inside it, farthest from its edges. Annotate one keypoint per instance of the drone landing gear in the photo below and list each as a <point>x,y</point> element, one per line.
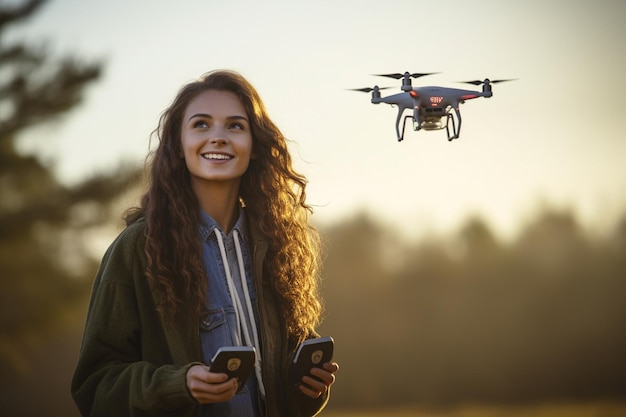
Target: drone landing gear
<point>456,135</point>
<point>415,126</point>
<point>456,131</point>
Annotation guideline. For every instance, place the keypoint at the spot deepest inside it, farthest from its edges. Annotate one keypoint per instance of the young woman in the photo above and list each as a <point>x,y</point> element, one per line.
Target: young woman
<point>219,253</point>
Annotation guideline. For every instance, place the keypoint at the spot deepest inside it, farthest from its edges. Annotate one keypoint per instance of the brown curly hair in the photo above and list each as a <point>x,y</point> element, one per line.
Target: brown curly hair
<point>272,191</point>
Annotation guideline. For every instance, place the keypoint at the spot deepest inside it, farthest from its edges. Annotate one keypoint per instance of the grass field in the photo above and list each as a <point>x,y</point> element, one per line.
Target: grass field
<point>544,410</point>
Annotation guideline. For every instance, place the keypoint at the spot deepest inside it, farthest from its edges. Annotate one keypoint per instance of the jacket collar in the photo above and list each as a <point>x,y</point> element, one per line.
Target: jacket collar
<point>208,225</point>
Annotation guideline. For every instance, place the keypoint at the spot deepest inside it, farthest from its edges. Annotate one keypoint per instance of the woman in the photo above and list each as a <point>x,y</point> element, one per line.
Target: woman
<point>219,253</point>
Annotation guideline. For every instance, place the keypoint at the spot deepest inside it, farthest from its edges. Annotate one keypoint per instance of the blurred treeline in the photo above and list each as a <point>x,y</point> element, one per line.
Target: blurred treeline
<point>438,322</point>
<point>470,319</point>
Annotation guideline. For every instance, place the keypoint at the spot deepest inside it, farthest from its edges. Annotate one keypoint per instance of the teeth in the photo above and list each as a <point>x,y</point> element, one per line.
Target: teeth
<point>219,156</point>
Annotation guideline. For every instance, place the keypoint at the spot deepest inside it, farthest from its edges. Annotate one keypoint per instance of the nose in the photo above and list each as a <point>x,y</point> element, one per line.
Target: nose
<point>218,140</point>
<point>218,135</point>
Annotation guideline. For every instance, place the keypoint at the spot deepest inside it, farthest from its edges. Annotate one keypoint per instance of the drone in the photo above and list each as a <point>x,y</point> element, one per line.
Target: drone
<point>432,106</point>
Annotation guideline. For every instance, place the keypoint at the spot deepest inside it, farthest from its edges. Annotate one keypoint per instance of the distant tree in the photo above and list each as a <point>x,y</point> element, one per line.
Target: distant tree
<point>551,242</point>
<point>41,220</point>
<point>478,240</point>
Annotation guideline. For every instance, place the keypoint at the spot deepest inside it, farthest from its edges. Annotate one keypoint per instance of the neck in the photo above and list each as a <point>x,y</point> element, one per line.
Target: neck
<point>220,201</point>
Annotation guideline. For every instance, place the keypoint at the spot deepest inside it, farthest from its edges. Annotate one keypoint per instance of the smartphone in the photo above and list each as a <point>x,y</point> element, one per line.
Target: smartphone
<point>311,353</point>
<point>234,361</point>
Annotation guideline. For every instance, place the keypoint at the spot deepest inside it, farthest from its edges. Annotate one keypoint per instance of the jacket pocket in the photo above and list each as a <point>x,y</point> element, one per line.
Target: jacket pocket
<point>217,329</point>
<point>211,319</point>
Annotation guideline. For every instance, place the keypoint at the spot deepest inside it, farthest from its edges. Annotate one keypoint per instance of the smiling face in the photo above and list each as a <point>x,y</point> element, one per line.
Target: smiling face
<point>216,139</point>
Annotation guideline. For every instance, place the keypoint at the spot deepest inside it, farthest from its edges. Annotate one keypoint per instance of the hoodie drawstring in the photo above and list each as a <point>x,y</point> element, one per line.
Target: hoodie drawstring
<point>240,314</point>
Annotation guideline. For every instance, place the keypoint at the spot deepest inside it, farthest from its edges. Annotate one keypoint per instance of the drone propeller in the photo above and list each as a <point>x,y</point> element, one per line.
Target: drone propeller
<point>398,76</point>
<point>486,80</point>
<point>368,89</point>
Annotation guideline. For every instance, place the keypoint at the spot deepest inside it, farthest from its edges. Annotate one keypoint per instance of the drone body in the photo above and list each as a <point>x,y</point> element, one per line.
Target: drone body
<point>432,106</point>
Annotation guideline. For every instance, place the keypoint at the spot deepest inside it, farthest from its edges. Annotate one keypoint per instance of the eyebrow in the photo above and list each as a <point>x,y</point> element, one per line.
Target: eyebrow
<point>208,116</point>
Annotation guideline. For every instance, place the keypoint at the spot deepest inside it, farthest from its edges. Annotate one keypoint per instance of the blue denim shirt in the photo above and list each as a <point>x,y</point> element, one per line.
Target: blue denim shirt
<point>218,325</point>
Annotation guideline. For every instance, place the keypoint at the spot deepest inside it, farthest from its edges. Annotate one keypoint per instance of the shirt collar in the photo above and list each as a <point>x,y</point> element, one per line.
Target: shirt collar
<point>208,225</point>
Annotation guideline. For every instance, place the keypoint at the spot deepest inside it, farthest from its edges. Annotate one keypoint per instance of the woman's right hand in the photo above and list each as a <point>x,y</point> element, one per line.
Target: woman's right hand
<point>208,387</point>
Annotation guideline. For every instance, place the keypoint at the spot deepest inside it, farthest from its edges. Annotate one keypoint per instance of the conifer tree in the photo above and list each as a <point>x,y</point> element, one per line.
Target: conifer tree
<point>41,220</point>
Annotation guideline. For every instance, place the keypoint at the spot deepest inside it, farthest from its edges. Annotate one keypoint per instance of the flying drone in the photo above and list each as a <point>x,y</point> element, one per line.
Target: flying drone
<point>432,106</point>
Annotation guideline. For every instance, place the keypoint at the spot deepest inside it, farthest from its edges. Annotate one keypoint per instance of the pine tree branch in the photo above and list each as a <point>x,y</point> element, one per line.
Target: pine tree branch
<point>10,15</point>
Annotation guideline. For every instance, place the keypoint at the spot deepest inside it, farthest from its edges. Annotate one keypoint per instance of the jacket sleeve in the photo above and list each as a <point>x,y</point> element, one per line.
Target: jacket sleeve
<point>112,376</point>
<point>308,407</point>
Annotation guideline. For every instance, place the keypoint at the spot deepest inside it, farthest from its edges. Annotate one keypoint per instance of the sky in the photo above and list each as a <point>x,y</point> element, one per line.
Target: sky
<point>552,138</point>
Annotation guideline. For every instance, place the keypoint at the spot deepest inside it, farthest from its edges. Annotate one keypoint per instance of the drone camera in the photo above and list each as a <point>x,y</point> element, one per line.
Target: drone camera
<point>433,123</point>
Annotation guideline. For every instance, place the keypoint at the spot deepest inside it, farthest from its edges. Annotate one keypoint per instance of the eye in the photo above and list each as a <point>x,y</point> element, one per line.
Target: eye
<point>237,126</point>
<point>200,124</point>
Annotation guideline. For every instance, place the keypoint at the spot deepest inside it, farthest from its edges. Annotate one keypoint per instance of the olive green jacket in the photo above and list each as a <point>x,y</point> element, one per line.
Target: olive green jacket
<point>133,363</point>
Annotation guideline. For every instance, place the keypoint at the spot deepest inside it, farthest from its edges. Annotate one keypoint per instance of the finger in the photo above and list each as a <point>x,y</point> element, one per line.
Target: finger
<point>314,384</point>
<point>224,388</point>
<point>331,367</point>
<point>201,386</point>
<point>211,393</point>
<point>327,378</point>
<point>203,373</point>
<point>311,392</point>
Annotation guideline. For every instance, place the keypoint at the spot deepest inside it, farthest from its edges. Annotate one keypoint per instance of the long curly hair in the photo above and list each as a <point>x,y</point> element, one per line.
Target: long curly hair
<point>275,199</point>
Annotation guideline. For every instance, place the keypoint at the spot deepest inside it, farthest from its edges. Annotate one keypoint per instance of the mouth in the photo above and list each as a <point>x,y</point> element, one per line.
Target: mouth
<point>211,156</point>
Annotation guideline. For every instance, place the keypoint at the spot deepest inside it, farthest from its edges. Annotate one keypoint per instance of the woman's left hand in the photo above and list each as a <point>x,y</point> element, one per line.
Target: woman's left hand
<point>317,383</point>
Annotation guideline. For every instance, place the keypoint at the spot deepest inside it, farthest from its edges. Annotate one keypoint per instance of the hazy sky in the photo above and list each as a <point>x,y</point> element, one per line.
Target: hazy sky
<point>554,136</point>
